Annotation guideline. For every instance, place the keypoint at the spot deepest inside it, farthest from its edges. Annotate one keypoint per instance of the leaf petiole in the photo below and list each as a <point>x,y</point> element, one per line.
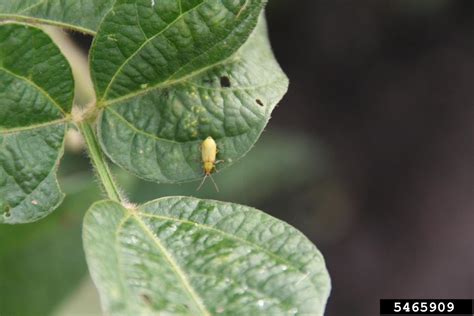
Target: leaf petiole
<point>100,164</point>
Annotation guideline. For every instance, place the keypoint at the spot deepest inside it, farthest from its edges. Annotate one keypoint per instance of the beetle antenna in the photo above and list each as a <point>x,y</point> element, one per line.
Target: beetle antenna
<point>202,182</point>
<point>215,184</point>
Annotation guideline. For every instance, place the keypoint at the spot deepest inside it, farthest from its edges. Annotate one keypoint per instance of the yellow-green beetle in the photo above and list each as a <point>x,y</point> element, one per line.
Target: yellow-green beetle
<point>208,155</point>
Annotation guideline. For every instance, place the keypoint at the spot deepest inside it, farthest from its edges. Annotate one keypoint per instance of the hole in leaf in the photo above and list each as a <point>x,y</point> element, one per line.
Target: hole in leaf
<point>225,82</point>
<point>259,102</point>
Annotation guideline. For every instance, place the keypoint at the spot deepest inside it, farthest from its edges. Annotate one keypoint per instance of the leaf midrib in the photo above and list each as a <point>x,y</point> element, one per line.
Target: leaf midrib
<point>228,235</point>
<point>185,79</point>
<point>147,40</point>
<point>38,88</point>
<point>30,20</point>
<point>136,130</point>
<point>169,257</point>
<point>168,83</point>
<point>15,130</point>
<point>136,215</point>
<point>170,80</point>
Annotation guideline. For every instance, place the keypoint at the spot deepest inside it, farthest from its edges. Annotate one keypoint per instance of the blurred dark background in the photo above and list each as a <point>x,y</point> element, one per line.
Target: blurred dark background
<point>372,157</point>
<point>388,86</point>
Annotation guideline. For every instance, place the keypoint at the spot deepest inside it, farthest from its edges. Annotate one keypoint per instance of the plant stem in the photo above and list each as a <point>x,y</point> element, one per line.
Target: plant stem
<point>100,164</point>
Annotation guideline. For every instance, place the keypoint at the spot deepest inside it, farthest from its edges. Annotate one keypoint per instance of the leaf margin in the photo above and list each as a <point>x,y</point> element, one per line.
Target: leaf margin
<point>256,130</point>
<point>129,210</point>
<point>65,121</point>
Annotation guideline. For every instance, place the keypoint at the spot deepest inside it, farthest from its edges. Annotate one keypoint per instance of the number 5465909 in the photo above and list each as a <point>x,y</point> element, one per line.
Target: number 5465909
<point>423,307</point>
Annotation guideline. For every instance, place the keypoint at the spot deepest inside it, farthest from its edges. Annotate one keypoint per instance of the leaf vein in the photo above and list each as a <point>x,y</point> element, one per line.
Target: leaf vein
<point>139,131</point>
<point>139,22</point>
<point>32,6</point>
<point>53,169</point>
<point>179,272</point>
<point>143,45</point>
<point>41,90</point>
<point>16,130</point>
<point>207,227</point>
<point>117,247</point>
<point>35,20</point>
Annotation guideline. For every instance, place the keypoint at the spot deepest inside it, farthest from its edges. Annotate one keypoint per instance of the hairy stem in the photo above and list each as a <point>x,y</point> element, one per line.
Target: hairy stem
<point>100,164</point>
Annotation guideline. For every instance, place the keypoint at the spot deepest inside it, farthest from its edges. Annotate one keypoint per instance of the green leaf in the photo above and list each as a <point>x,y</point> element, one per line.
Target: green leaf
<point>84,15</point>
<point>185,256</point>
<point>156,43</point>
<point>36,93</point>
<point>164,105</point>
<point>42,263</point>
<point>306,156</point>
